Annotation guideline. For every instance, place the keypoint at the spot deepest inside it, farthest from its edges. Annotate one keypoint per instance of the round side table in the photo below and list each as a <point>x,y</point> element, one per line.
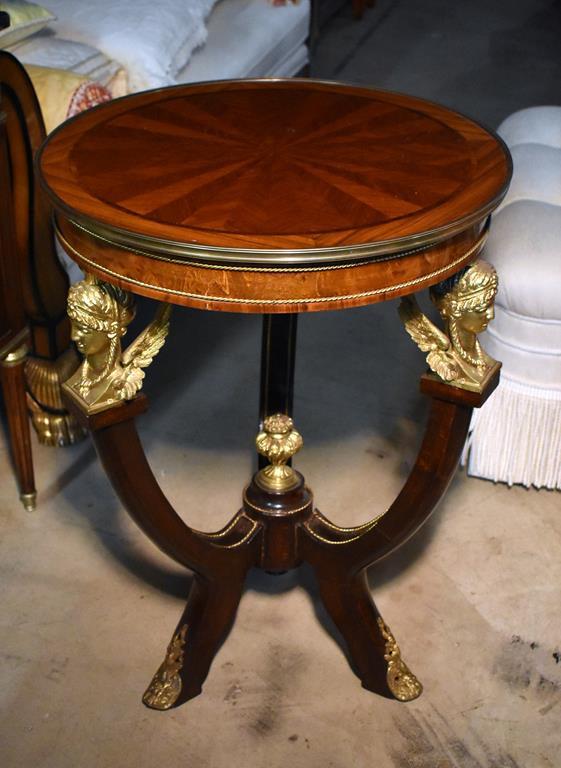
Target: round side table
<point>275,197</point>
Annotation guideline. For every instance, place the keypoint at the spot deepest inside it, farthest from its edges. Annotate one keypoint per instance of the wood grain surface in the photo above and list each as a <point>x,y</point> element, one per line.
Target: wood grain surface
<point>274,165</point>
<point>205,194</point>
<point>274,290</point>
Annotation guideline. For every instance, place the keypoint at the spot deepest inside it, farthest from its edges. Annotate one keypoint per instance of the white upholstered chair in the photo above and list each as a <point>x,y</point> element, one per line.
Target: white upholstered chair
<point>516,437</point>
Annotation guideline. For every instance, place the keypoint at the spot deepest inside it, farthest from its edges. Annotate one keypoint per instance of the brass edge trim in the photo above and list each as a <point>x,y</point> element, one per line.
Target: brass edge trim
<point>325,540</point>
<point>352,528</point>
<point>360,530</point>
<point>314,300</point>
<point>437,235</point>
<point>223,531</point>
<point>215,537</point>
<point>243,540</point>
<point>271,512</point>
<point>393,248</point>
<point>16,355</point>
<point>351,261</point>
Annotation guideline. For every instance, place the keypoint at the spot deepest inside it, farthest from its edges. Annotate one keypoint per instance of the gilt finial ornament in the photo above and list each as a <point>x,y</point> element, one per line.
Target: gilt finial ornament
<point>100,314</point>
<point>278,442</point>
<point>466,304</point>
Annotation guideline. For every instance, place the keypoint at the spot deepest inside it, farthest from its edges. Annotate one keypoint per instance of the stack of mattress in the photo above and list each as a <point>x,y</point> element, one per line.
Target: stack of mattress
<point>251,38</point>
<point>135,45</point>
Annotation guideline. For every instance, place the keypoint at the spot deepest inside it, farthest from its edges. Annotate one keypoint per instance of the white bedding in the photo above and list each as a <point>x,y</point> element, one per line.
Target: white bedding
<point>273,41</point>
<point>46,50</point>
<point>152,39</point>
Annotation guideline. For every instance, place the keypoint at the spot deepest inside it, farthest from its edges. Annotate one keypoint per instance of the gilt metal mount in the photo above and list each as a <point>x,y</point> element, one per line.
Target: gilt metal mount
<point>278,442</point>
<point>466,304</point>
<point>100,314</point>
<point>401,681</point>
<point>165,686</point>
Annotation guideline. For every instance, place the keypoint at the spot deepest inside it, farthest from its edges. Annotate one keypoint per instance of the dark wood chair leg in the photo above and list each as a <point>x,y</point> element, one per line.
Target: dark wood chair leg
<point>44,283</point>
<point>14,332</point>
<point>208,616</point>
<point>13,387</point>
<point>358,8</point>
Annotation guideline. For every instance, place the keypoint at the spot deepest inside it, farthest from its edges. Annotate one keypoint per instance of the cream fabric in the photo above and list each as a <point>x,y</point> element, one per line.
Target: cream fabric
<point>537,174</point>
<point>25,20</point>
<point>524,245</point>
<point>529,349</point>
<point>516,436</point>
<point>56,90</point>
<point>46,50</point>
<point>251,38</point>
<point>152,40</point>
<point>246,38</point>
<point>535,125</point>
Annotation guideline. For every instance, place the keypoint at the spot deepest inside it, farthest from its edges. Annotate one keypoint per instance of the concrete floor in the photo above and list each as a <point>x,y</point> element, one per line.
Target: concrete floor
<point>89,604</point>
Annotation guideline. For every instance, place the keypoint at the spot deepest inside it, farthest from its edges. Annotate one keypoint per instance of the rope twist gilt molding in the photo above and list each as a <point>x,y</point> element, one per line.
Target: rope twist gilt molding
<point>272,302</point>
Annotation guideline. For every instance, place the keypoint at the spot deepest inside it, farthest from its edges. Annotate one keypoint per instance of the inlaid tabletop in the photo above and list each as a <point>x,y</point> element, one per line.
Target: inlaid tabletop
<point>274,171</point>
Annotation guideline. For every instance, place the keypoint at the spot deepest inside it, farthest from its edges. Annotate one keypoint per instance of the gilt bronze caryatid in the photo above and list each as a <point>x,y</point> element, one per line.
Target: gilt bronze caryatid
<point>100,314</point>
<point>466,304</point>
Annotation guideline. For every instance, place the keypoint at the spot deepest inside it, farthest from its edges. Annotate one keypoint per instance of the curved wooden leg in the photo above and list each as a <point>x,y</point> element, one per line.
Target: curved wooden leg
<point>210,612</point>
<point>374,653</point>
<point>340,556</point>
<point>219,560</point>
<point>277,529</point>
<point>13,386</point>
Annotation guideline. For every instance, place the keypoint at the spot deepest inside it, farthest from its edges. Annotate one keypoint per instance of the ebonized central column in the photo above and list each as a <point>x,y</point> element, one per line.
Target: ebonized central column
<point>278,354</point>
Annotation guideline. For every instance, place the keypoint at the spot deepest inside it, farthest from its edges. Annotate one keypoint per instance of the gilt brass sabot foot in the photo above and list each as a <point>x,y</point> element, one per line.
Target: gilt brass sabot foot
<point>278,442</point>
<point>165,686</point>
<point>100,314</point>
<point>29,501</point>
<point>401,681</point>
